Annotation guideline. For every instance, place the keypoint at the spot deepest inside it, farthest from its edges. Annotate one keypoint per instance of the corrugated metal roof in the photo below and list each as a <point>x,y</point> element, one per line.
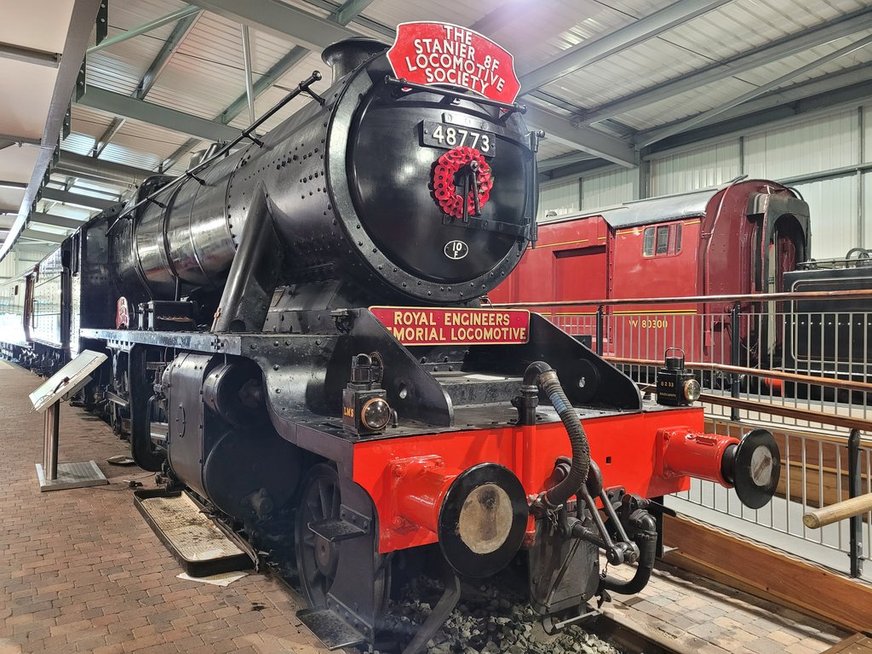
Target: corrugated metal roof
<point>205,75</point>
<point>647,64</point>
<point>146,138</point>
<point>685,104</point>
<point>550,149</point>
<point>764,74</point>
<point>120,67</point>
<point>78,143</point>
<point>716,35</point>
<point>752,23</point>
<point>719,93</point>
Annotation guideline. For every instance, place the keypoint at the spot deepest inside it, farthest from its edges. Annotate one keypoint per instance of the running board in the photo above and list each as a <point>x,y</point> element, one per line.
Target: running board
<point>200,544</point>
<point>330,628</point>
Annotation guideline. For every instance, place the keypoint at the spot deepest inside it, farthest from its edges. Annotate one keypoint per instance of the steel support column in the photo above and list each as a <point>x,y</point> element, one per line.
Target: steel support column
<point>77,199</point>
<point>29,55</point>
<point>122,105</point>
<point>249,86</point>
<point>144,28</point>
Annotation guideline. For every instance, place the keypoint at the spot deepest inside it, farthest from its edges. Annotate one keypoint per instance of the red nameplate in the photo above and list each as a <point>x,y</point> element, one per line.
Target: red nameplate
<point>442,326</point>
<point>441,53</point>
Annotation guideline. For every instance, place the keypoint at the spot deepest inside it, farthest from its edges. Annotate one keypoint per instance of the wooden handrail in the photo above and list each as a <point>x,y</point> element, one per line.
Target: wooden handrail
<point>789,412</point>
<point>856,294</point>
<point>799,378</point>
<point>827,515</point>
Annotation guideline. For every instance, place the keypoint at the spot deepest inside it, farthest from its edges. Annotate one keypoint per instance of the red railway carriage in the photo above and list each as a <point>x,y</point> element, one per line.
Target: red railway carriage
<point>737,239</point>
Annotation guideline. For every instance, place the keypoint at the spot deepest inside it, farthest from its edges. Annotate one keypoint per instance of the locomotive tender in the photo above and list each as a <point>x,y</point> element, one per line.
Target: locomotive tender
<point>296,337</point>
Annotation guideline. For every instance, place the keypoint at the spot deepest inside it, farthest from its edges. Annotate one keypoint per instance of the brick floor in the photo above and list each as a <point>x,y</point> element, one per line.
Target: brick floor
<point>80,571</point>
<point>699,615</point>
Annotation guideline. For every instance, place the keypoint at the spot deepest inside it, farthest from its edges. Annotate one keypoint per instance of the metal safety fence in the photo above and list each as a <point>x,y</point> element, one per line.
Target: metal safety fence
<point>797,364</point>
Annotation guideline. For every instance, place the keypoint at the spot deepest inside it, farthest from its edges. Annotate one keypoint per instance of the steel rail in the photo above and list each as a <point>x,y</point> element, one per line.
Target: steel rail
<point>631,636</point>
<point>857,294</point>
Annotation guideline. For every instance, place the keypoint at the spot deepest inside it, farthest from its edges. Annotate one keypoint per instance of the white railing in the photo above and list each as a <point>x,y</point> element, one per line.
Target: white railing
<point>805,376</point>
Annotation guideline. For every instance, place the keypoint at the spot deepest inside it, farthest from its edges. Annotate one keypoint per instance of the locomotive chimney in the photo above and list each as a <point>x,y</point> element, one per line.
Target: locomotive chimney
<point>345,56</point>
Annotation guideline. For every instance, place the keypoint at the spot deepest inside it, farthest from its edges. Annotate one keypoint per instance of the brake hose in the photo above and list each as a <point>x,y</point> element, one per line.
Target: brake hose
<point>646,539</point>
<point>541,375</point>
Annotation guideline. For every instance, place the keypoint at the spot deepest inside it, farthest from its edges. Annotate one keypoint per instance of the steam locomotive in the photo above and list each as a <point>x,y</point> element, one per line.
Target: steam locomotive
<point>296,337</point>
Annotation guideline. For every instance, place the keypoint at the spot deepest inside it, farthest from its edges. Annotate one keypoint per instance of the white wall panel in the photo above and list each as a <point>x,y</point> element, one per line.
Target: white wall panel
<point>697,168</point>
<point>833,207</point>
<point>606,189</point>
<point>814,145</point>
<point>9,266</point>
<point>23,258</point>
<point>820,143</point>
<point>560,196</point>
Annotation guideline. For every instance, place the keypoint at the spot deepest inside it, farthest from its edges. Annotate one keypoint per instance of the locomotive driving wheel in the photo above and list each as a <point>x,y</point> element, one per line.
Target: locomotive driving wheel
<point>317,557</point>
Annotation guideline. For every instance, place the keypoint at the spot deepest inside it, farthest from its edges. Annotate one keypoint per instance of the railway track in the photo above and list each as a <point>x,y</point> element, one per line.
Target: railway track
<point>496,618</point>
<point>632,638</point>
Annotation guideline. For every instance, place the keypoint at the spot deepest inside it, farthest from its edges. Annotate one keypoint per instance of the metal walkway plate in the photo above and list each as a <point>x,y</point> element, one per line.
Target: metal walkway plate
<point>330,628</point>
<point>71,475</point>
<point>192,536</point>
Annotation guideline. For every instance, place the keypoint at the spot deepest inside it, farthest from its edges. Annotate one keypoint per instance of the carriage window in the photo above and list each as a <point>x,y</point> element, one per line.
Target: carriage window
<point>662,239</point>
<point>648,244</point>
<point>16,290</point>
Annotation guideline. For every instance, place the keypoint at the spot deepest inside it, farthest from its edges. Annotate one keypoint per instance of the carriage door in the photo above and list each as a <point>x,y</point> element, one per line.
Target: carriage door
<point>786,248</point>
<point>580,274</point>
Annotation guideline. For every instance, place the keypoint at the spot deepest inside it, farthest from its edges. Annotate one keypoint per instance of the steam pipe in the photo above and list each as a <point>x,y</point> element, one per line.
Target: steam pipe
<point>541,375</point>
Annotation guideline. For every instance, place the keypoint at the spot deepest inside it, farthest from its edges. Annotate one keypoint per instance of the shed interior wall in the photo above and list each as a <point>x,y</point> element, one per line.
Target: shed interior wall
<point>827,157</point>
<point>608,188</point>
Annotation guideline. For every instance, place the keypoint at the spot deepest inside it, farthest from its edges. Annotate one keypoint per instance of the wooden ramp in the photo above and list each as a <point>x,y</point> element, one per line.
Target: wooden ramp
<point>856,644</point>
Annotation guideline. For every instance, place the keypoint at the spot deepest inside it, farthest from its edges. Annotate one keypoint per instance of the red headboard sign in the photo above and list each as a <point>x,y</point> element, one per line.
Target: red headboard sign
<point>441,53</point>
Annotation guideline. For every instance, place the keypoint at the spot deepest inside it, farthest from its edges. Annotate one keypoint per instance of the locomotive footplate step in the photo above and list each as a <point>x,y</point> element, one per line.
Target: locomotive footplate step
<point>71,475</point>
<point>199,544</point>
<point>331,628</point>
<point>335,530</point>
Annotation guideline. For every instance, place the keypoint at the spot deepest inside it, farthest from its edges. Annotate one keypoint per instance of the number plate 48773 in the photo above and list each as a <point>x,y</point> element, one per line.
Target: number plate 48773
<point>447,136</point>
